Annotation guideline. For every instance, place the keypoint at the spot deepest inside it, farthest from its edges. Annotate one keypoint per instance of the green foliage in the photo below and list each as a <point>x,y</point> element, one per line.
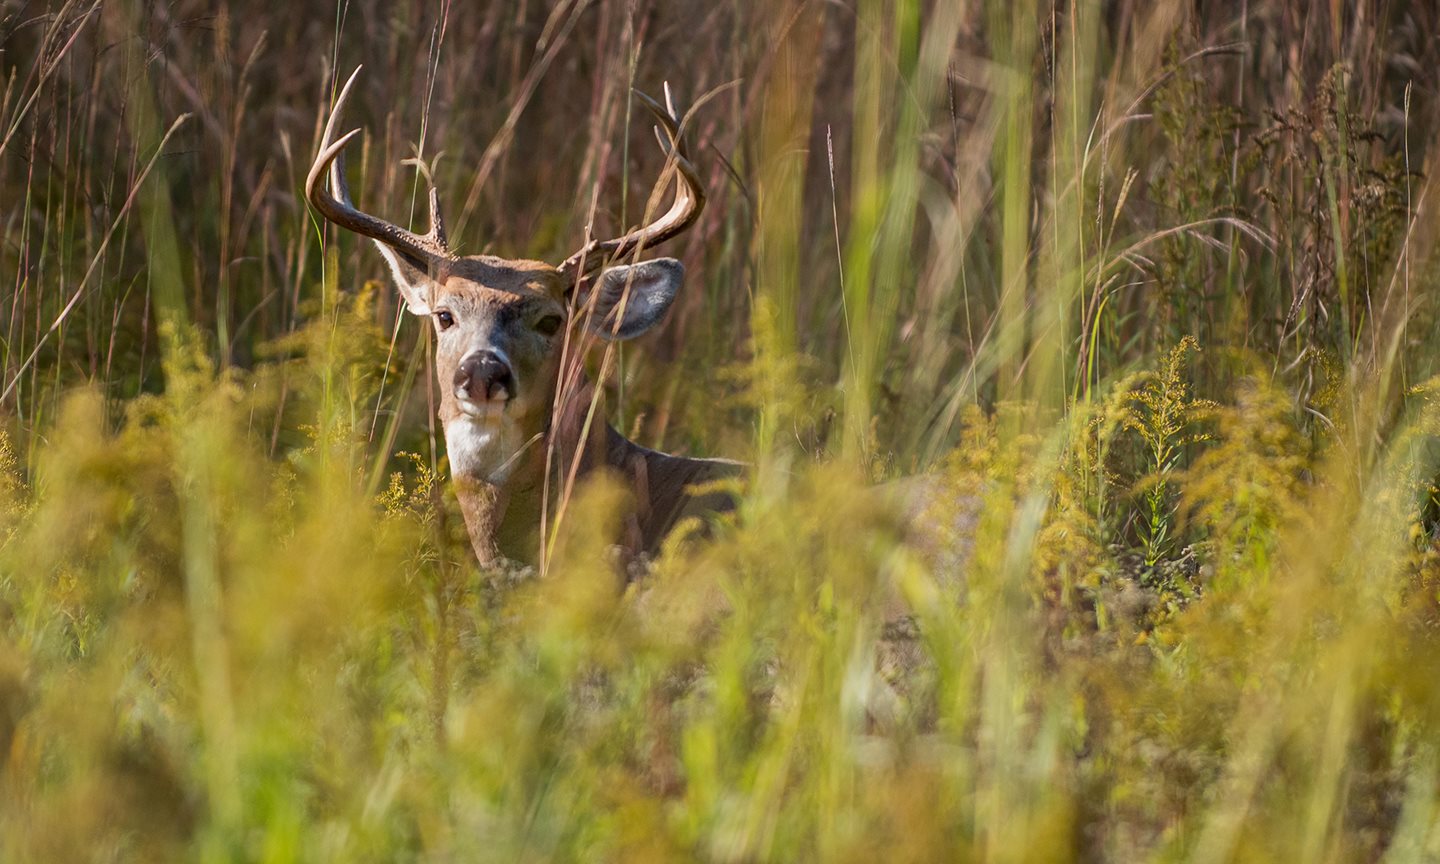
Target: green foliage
<point>1244,491</point>
<point>1118,600</point>
<point>1166,419</point>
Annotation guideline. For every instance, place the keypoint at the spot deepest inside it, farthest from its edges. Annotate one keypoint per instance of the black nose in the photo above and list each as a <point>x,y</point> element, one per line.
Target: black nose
<point>483,376</point>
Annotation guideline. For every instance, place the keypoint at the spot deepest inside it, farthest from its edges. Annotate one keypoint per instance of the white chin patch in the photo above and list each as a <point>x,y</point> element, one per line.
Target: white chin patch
<point>481,411</point>
<point>482,442</point>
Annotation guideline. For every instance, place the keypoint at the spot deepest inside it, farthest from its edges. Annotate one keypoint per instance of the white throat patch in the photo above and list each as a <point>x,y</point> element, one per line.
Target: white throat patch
<point>484,447</point>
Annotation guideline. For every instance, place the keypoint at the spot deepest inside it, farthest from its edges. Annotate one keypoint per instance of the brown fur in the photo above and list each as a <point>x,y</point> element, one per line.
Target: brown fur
<point>501,331</point>
<point>505,499</point>
<point>504,520</point>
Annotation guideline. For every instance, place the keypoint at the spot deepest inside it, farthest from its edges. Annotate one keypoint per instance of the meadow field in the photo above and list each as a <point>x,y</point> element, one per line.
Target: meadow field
<point>1146,290</point>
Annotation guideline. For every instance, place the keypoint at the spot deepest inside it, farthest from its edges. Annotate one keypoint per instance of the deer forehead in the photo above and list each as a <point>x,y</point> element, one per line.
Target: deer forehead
<point>497,281</point>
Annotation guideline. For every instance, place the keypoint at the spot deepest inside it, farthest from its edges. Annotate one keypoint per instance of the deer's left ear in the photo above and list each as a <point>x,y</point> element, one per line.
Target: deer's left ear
<point>632,298</point>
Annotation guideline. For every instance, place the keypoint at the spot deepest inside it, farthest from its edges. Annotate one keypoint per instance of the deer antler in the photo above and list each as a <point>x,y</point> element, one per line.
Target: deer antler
<point>689,198</point>
<point>333,201</point>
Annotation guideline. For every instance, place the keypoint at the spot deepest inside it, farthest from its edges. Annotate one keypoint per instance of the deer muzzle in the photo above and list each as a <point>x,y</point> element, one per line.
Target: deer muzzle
<point>484,379</point>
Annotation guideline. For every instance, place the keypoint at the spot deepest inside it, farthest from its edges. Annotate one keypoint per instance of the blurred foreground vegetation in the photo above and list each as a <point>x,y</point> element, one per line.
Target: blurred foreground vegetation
<point>1146,290</point>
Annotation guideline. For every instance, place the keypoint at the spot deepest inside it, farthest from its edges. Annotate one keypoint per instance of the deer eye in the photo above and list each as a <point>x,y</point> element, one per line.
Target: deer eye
<point>549,325</point>
<point>445,319</point>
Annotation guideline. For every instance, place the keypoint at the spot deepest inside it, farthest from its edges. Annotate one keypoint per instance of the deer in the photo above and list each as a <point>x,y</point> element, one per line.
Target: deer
<point>521,420</point>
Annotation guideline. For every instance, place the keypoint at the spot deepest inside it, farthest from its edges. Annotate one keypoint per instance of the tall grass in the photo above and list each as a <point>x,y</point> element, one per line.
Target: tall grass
<point>1142,292</point>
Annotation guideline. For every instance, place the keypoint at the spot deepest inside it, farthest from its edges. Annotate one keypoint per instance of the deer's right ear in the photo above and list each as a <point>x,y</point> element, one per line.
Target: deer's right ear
<point>414,283</point>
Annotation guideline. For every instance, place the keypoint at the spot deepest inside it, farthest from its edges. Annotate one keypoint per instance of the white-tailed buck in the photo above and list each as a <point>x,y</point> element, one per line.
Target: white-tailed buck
<point>521,422</point>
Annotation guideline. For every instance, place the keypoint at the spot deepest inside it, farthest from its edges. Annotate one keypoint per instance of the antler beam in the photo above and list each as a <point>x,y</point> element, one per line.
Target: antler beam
<point>333,199</point>
<point>689,198</point>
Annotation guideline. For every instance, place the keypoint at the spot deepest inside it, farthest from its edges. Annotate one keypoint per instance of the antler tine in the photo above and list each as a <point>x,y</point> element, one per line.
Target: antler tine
<point>333,199</point>
<point>671,120</point>
<point>688,204</point>
<point>437,221</point>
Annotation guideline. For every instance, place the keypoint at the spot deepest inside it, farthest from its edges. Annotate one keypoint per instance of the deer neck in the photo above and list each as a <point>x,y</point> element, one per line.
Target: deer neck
<point>503,514</point>
<point>503,498</point>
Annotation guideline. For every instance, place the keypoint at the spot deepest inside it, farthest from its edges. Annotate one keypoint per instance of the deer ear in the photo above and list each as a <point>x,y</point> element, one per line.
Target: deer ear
<point>412,280</point>
<point>632,298</point>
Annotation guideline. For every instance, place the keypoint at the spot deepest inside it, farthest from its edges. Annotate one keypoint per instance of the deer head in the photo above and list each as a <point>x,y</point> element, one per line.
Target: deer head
<point>500,324</point>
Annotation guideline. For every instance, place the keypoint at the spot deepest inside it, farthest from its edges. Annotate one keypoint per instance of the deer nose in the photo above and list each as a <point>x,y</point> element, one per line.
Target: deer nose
<point>484,376</point>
